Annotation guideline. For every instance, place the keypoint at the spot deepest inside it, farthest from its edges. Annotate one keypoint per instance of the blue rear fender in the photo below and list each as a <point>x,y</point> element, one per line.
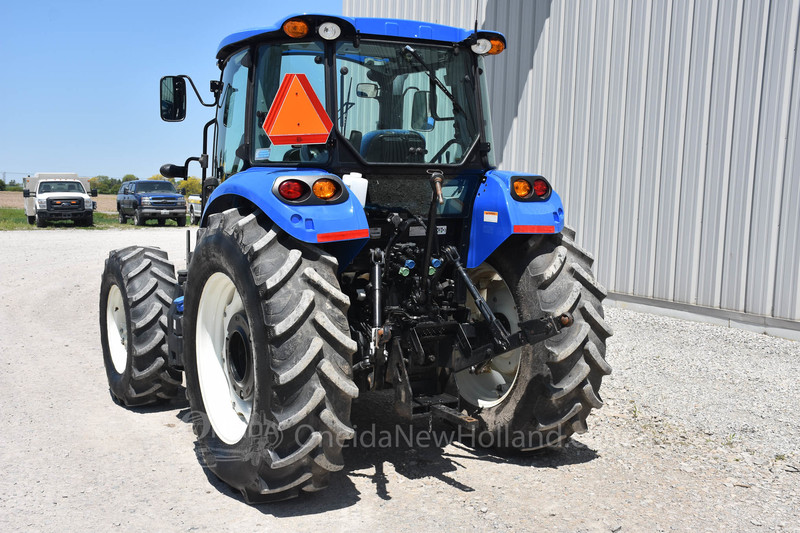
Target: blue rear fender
<point>342,223</point>
<point>496,216</point>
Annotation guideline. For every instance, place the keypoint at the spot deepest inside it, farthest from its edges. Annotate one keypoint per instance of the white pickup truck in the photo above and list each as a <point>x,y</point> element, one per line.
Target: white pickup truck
<point>58,196</point>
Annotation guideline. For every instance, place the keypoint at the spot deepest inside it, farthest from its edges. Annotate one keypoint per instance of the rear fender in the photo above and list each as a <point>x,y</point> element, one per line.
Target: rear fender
<point>496,215</point>
<point>344,224</point>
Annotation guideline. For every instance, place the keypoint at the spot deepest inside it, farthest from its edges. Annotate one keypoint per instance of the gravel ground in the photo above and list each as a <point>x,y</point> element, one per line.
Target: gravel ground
<point>699,431</point>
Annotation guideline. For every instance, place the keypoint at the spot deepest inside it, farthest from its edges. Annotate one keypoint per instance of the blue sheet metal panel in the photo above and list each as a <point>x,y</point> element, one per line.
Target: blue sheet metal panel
<point>672,154</point>
<point>606,252</point>
<point>745,140</point>
<point>718,157</point>
<point>787,273</point>
<point>303,222</point>
<point>396,27</point>
<point>690,219</point>
<point>650,173</point>
<point>496,216</point>
<point>770,158</point>
<point>630,178</point>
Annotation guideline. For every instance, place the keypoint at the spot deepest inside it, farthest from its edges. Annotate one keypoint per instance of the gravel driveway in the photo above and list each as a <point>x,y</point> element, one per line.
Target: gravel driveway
<point>699,432</point>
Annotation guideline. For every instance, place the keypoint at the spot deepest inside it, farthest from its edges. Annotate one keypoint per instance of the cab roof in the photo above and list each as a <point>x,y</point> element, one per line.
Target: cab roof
<point>384,27</point>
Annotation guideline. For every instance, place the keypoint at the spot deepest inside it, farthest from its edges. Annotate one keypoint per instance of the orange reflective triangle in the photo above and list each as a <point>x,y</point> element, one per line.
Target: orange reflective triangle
<point>296,116</point>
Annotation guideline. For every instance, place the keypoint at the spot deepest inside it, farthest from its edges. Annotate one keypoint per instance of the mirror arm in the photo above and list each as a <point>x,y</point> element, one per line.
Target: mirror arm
<point>196,92</point>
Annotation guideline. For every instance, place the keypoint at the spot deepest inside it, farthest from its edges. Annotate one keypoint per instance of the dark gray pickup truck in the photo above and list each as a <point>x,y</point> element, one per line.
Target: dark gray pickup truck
<point>150,199</point>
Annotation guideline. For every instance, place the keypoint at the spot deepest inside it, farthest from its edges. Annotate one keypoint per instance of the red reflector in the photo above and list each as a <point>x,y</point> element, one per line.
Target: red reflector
<point>540,188</point>
<point>534,229</point>
<point>343,235</point>
<point>292,189</point>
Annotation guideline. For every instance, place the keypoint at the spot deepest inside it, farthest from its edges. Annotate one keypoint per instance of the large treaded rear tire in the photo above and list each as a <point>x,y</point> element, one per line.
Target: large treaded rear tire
<point>292,426</point>
<point>557,383</point>
<point>136,291</point>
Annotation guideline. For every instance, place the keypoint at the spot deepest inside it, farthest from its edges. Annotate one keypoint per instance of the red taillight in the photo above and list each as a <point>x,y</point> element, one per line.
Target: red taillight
<point>540,188</point>
<point>292,189</point>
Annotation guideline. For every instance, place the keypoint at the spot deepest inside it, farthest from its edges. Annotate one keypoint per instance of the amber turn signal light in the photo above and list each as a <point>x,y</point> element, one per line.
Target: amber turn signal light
<point>295,28</point>
<point>325,189</point>
<point>497,47</point>
<point>522,188</point>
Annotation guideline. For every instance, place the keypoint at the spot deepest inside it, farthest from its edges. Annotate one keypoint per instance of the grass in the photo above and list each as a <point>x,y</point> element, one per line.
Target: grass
<point>12,219</point>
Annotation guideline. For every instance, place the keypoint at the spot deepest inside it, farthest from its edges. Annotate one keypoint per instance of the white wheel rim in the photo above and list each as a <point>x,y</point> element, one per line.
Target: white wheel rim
<point>117,329</point>
<point>495,382</point>
<point>229,415</point>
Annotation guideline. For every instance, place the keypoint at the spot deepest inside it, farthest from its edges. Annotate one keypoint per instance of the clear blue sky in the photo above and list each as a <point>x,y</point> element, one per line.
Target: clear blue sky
<point>79,82</point>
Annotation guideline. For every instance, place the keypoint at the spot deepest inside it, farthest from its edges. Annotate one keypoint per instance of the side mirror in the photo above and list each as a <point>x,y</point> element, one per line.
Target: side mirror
<point>26,193</point>
<point>173,171</point>
<point>367,90</point>
<point>94,193</point>
<point>421,119</point>
<point>173,99</point>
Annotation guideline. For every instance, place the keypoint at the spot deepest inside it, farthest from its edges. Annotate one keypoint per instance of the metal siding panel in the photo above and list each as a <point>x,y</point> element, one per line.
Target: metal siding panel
<point>652,146</point>
<point>597,124</point>
<point>720,134</point>
<point>748,89</point>
<point>606,253</point>
<point>562,166</point>
<point>787,294</point>
<point>770,159</point>
<point>693,172</point>
<point>672,155</point>
<point>628,211</point>
<point>580,139</point>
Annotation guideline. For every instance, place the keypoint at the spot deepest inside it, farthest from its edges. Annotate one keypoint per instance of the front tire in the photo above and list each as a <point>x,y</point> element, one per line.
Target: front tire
<point>181,221</point>
<point>537,396</point>
<point>138,219</point>
<point>41,222</point>
<point>268,358</point>
<point>137,288</point>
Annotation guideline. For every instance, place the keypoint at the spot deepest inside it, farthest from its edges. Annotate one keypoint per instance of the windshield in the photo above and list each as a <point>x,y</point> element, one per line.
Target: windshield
<point>61,186</point>
<point>399,104</point>
<point>155,186</point>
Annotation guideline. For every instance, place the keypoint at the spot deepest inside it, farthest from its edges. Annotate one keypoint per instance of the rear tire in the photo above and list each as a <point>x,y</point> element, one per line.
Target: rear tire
<point>546,394</point>
<point>268,358</point>
<point>31,219</point>
<point>137,288</point>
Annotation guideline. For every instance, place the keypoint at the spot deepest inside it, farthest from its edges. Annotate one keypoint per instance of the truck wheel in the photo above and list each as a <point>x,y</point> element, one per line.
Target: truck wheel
<point>41,222</point>
<point>181,221</point>
<point>31,219</point>
<point>537,396</point>
<point>268,358</point>
<point>137,288</point>
<point>162,221</point>
<point>138,219</point>
<point>194,216</point>
<point>121,216</point>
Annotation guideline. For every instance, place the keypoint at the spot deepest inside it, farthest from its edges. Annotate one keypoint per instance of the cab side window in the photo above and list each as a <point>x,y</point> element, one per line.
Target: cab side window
<point>231,115</point>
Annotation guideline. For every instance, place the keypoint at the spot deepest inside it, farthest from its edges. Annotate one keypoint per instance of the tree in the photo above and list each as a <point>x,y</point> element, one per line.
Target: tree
<point>158,177</point>
<point>128,177</point>
<point>105,185</point>
<point>2,185</point>
<point>189,186</point>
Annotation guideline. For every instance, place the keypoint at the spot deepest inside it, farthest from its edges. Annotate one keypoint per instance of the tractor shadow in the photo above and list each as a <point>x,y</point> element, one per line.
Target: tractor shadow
<point>386,446</point>
<point>431,450</point>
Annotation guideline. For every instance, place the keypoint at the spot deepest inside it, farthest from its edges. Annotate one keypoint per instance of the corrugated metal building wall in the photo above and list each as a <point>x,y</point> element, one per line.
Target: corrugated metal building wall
<point>671,131</point>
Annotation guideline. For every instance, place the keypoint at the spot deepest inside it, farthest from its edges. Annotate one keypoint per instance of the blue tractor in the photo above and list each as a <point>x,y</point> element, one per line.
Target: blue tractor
<point>356,236</point>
